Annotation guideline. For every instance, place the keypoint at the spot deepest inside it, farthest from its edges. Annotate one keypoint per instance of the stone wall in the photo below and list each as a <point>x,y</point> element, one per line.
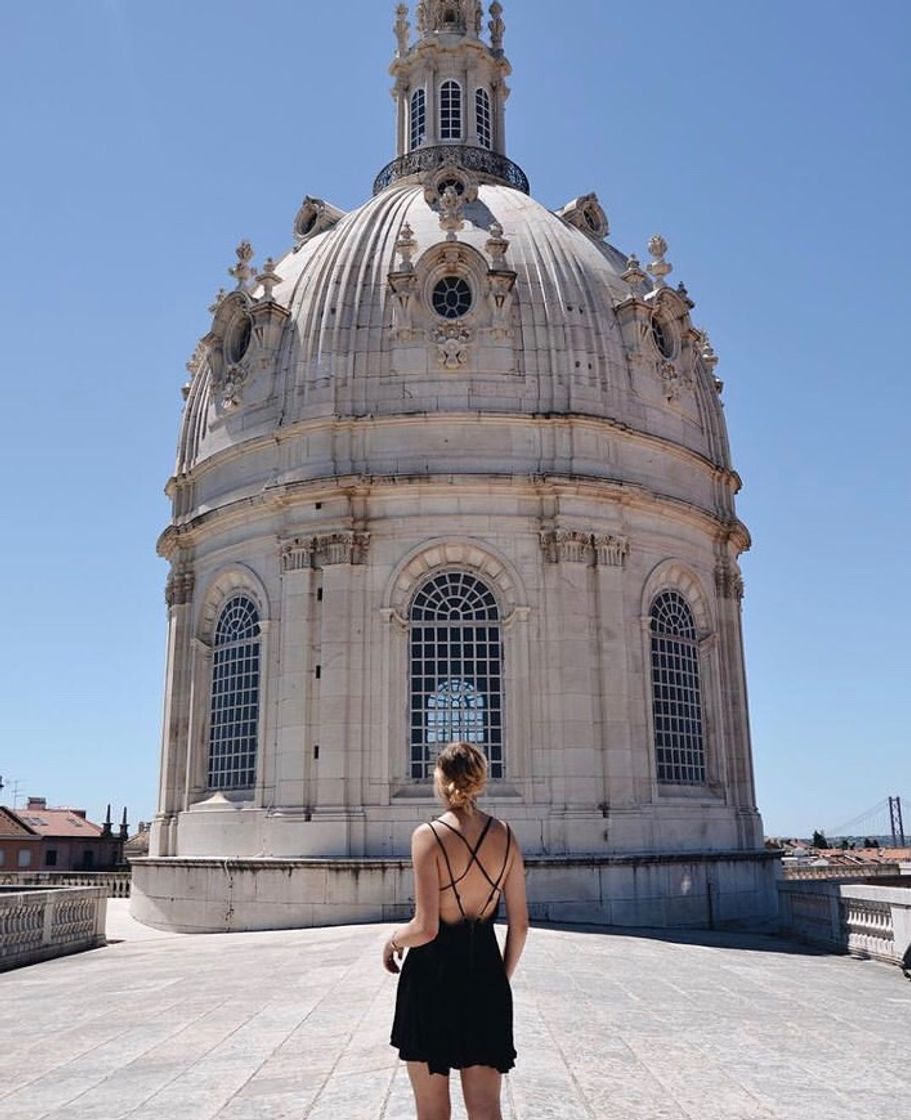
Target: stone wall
<point>693,890</point>
<point>38,924</point>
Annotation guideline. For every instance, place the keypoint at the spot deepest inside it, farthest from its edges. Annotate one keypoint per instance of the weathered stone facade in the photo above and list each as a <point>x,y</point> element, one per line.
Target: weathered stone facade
<point>352,430</point>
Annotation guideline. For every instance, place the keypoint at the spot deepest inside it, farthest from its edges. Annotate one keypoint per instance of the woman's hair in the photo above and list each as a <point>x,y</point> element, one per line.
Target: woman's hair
<point>461,774</point>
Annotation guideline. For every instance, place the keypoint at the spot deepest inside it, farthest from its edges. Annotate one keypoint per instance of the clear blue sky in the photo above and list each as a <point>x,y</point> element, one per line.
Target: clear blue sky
<point>767,141</point>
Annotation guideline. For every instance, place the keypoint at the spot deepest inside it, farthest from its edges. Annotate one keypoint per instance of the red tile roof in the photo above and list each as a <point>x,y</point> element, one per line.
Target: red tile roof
<point>63,823</point>
<point>10,825</point>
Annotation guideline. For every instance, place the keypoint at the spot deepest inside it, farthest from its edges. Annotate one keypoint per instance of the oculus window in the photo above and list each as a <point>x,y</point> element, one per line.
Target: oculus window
<point>452,297</point>
<point>456,678</point>
<point>676,692</point>
<point>234,712</point>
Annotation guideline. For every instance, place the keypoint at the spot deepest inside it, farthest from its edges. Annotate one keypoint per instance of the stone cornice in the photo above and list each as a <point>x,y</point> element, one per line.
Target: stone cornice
<point>180,585</point>
<point>190,531</point>
<point>337,425</point>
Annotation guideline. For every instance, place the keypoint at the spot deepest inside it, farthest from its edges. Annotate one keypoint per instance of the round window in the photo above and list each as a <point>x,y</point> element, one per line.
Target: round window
<point>456,184</point>
<point>452,297</point>
<point>591,220</point>
<point>238,339</point>
<point>662,338</point>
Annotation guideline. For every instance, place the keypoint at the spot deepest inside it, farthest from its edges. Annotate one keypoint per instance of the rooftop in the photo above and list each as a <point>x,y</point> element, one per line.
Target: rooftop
<point>295,1024</point>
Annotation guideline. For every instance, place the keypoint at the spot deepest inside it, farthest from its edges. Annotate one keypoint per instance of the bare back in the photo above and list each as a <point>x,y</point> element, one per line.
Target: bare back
<point>474,858</point>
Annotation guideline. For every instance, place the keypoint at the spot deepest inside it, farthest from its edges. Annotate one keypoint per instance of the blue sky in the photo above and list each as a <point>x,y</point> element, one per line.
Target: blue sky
<point>767,142</point>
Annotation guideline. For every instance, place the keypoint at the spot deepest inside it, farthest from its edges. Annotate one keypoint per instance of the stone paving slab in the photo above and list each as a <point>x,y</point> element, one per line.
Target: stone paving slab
<point>295,1025</point>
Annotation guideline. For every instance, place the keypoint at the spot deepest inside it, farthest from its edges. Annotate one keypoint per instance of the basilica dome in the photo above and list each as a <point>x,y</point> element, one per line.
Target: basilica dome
<point>453,467</point>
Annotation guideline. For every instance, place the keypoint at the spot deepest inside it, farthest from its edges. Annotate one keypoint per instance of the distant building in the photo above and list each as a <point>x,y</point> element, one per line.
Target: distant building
<point>38,838</point>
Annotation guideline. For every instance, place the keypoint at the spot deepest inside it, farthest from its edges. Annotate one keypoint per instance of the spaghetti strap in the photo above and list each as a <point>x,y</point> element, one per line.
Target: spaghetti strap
<point>452,881</point>
<point>496,886</point>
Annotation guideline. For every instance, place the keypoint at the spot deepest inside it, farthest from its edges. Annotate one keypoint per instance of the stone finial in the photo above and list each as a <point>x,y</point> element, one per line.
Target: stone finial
<point>406,246</point>
<point>242,272</point>
<point>451,213</point>
<point>710,361</point>
<point>268,279</point>
<point>496,27</point>
<point>217,301</point>
<point>402,27</point>
<point>497,246</point>
<point>634,274</point>
<point>659,267</point>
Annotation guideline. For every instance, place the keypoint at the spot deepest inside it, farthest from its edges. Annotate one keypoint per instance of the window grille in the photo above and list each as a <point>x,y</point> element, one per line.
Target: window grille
<point>456,671</point>
<point>450,111</point>
<point>676,692</point>
<point>418,118</point>
<point>482,108</point>
<point>234,722</point>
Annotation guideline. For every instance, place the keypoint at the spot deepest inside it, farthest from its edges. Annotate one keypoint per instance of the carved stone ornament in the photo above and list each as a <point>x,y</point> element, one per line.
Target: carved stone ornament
<point>634,276</point>
<point>230,385</point>
<point>576,547</point>
<point>402,27</point>
<point>406,246</point>
<point>496,27</point>
<point>671,379</point>
<point>451,207</point>
<point>325,550</point>
<point>179,588</point>
<point>268,279</point>
<point>452,342</point>
<point>728,580</point>
<point>242,272</point>
<point>659,268</point>
<point>449,172</point>
<point>497,246</point>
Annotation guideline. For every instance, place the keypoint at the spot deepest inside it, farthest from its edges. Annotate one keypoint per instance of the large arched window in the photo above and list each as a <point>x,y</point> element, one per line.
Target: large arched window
<point>418,118</point>
<point>483,116</point>
<point>456,671</point>
<point>450,111</point>
<point>234,717</point>
<point>676,692</point>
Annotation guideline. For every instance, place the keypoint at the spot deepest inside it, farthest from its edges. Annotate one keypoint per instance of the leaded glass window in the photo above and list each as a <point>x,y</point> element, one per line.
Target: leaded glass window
<point>676,692</point>
<point>450,111</point>
<point>456,671</point>
<point>234,715</point>
<point>418,118</point>
<point>482,109</point>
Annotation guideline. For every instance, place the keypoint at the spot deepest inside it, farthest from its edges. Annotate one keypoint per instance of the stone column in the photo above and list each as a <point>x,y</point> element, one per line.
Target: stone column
<point>291,777</point>
<point>338,771</point>
<point>176,715</point>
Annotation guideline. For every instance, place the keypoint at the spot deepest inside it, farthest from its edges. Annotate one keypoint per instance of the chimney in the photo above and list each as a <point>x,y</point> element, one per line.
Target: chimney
<point>37,803</point>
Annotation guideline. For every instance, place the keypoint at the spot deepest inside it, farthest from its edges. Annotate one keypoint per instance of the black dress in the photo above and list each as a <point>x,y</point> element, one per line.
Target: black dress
<point>454,1003</point>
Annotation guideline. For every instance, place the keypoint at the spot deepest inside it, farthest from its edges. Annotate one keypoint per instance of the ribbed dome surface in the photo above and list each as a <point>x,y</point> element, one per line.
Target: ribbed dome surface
<point>563,352</point>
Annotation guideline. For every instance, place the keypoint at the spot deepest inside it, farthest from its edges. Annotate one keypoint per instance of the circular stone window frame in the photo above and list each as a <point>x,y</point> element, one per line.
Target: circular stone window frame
<point>444,270</point>
<point>663,336</point>
<point>446,175</point>
<point>457,280</point>
<point>239,328</point>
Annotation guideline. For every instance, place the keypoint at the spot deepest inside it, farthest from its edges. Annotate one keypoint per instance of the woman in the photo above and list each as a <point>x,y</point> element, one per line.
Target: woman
<point>454,1003</point>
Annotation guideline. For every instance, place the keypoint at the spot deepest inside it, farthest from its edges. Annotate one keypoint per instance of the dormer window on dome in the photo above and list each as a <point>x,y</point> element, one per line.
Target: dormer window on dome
<point>452,298</point>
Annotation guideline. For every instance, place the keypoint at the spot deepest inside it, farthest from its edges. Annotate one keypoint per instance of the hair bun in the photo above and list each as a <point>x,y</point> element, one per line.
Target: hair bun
<point>463,774</point>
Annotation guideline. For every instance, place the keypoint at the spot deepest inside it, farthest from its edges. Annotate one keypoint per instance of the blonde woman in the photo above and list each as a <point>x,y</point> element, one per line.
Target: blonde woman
<point>454,1003</point>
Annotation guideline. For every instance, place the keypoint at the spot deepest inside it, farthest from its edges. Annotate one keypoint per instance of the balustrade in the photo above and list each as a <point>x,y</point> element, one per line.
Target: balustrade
<point>41,923</point>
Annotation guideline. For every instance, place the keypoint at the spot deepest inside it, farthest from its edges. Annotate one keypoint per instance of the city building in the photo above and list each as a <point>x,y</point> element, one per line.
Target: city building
<point>39,838</point>
<point>454,466</point>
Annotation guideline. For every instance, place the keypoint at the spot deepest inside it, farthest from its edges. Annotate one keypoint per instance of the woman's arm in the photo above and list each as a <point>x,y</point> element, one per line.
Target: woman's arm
<point>425,924</point>
<point>516,912</point>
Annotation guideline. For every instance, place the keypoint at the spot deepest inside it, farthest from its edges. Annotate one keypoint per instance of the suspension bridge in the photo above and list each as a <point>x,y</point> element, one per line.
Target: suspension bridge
<point>884,820</point>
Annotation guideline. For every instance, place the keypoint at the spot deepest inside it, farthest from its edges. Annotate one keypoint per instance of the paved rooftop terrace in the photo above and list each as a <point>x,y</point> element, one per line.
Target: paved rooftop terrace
<point>608,1026</point>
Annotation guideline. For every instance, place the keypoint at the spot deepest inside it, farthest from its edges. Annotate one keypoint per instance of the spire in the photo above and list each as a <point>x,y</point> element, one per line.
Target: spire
<point>450,82</point>
<point>457,17</point>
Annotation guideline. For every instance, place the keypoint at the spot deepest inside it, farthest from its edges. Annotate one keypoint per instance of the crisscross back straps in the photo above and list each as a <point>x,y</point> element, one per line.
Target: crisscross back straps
<point>473,853</point>
<point>452,881</point>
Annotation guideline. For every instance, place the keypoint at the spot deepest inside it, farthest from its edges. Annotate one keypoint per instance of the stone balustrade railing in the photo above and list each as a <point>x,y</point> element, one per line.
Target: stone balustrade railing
<point>38,924</point>
<point>868,920</point>
<point>853,871</point>
<point>116,883</point>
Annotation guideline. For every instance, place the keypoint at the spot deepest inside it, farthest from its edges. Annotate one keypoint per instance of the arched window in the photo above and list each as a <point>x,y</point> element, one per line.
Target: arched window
<point>482,112</point>
<point>450,111</point>
<point>456,671</point>
<point>676,692</point>
<point>418,118</point>
<point>234,722</point>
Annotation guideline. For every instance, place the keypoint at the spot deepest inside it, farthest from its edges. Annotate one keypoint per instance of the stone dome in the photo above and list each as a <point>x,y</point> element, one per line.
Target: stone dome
<point>574,346</point>
<point>453,467</point>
